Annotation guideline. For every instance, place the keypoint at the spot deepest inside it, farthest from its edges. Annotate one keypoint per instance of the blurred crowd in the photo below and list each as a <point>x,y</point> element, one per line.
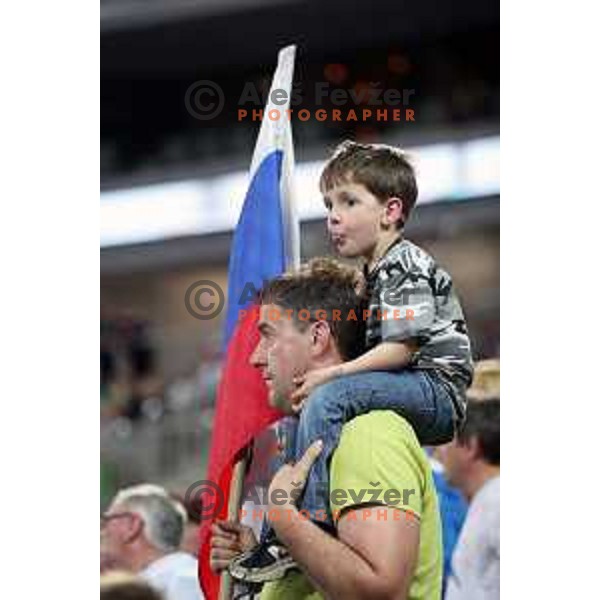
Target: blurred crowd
<point>131,384</point>
<point>148,546</point>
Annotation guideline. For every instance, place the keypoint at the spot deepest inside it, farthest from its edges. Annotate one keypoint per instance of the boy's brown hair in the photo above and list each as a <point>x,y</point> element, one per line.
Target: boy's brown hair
<point>384,170</point>
<point>317,289</point>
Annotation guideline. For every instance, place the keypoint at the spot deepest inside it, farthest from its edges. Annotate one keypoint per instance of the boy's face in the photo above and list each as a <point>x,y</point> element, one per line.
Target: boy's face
<point>355,219</point>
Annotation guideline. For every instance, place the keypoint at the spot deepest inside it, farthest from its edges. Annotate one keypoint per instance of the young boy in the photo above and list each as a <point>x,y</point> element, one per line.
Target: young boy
<point>417,360</point>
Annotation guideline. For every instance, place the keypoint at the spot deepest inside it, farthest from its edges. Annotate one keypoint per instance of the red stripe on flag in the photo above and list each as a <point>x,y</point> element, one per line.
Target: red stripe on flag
<point>241,412</point>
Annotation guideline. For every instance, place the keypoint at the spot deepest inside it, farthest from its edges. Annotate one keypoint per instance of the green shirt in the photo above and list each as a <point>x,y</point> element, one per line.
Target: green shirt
<point>380,451</point>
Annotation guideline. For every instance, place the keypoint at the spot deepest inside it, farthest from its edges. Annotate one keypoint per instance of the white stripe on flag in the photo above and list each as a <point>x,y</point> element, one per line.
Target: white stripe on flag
<point>277,135</point>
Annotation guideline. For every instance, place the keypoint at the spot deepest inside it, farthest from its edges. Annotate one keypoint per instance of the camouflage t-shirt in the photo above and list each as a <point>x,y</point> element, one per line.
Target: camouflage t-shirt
<point>411,298</point>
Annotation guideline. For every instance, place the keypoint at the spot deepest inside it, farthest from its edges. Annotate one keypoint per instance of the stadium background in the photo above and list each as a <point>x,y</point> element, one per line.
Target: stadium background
<point>172,184</point>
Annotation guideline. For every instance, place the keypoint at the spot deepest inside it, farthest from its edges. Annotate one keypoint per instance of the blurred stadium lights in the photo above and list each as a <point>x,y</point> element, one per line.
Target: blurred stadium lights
<point>447,171</point>
<point>129,14</point>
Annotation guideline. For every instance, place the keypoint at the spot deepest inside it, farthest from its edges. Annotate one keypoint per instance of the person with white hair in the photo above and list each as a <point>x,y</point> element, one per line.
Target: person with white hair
<point>141,532</point>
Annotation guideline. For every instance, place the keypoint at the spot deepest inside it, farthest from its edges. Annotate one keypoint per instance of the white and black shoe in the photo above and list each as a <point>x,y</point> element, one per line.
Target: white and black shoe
<point>268,561</point>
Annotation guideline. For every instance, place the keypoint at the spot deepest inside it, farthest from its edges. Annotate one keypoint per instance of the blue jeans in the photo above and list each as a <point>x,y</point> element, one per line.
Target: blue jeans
<point>416,395</point>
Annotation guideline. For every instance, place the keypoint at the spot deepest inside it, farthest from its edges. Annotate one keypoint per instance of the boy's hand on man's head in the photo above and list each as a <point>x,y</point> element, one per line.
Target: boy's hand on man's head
<point>308,382</point>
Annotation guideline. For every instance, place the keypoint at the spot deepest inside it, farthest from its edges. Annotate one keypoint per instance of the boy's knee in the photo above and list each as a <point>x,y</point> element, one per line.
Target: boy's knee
<point>321,407</point>
<point>324,397</point>
<point>334,388</point>
<point>314,407</point>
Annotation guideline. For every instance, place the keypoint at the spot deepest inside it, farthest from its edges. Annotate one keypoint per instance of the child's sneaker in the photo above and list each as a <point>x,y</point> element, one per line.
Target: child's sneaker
<point>268,561</point>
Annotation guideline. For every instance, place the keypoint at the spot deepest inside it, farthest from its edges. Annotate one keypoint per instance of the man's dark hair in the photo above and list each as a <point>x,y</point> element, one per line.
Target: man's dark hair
<point>384,170</point>
<point>323,289</point>
<point>483,424</point>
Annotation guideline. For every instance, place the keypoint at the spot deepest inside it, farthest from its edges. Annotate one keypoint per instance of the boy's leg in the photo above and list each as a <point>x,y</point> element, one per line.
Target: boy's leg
<point>285,430</point>
<point>415,395</point>
<point>269,559</point>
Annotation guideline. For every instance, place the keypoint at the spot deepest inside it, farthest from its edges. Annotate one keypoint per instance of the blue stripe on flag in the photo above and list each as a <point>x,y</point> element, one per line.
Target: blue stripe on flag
<point>258,251</point>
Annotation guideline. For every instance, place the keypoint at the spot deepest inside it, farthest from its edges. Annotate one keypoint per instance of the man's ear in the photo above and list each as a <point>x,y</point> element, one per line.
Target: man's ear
<point>320,337</point>
<point>135,527</point>
<point>393,213</point>
<point>473,447</point>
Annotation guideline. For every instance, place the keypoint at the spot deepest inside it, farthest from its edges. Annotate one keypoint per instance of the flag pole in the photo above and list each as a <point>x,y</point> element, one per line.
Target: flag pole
<point>233,514</point>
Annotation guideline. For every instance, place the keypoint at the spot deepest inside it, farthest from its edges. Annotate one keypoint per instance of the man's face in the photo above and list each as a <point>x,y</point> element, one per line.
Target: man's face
<point>118,527</point>
<point>354,219</point>
<point>282,353</point>
<point>457,460</point>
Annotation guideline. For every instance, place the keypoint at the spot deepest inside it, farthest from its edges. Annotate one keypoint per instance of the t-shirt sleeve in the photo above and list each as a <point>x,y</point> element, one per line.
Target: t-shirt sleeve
<point>378,461</point>
<point>408,305</point>
<point>491,515</point>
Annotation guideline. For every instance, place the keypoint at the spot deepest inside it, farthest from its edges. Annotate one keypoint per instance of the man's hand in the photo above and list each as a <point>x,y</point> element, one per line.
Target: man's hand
<point>309,381</point>
<point>228,540</point>
<point>292,478</point>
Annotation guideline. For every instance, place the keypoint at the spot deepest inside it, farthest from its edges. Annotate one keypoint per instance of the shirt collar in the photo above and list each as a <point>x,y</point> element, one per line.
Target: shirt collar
<point>370,276</point>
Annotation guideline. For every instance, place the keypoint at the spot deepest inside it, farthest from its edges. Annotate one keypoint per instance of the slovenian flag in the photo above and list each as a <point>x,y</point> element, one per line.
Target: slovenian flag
<point>265,244</point>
